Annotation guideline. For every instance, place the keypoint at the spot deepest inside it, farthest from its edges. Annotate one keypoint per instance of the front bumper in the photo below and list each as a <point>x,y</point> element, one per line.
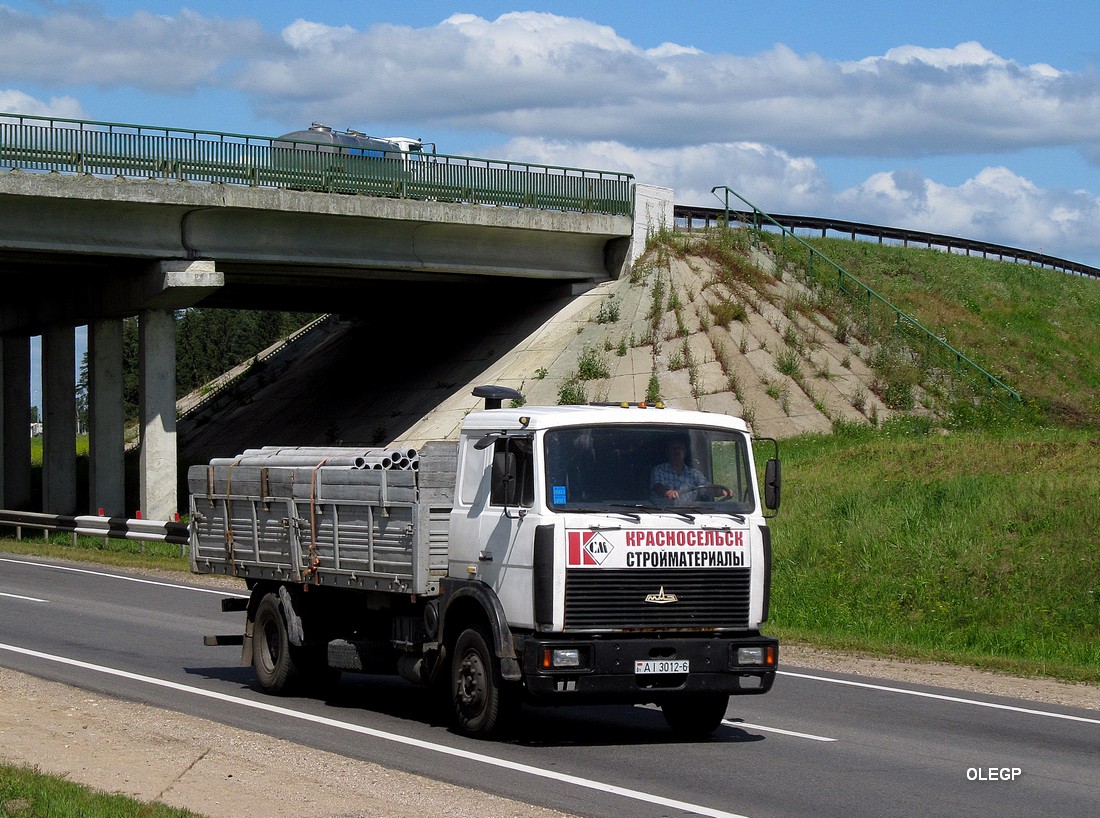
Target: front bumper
<point>608,668</point>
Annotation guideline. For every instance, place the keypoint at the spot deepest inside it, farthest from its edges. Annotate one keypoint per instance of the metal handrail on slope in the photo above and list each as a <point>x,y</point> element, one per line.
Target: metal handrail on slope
<point>843,275</point>
<point>689,214</point>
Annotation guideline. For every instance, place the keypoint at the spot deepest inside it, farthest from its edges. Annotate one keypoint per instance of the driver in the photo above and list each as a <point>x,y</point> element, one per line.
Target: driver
<point>669,479</point>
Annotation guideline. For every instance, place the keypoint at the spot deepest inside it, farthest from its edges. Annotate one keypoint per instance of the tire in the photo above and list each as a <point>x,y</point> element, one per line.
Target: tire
<point>480,698</point>
<point>272,654</point>
<point>696,715</point>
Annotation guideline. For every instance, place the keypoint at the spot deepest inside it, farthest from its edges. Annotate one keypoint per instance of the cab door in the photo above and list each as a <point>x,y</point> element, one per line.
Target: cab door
<point>492,526</point>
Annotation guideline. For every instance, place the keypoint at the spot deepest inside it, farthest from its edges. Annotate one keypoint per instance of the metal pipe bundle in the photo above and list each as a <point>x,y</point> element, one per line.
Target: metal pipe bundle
<point>325,456</point>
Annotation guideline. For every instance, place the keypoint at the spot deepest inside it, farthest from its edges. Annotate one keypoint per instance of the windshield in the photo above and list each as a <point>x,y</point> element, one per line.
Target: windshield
<point>639,468</point>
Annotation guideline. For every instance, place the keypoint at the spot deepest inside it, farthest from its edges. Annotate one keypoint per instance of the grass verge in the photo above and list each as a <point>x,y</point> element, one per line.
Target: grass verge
<point>28,793</point>
<point>976,548</point>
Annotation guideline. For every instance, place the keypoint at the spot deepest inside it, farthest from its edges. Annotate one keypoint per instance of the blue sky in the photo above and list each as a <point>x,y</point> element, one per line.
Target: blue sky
<point>978,119</point>
<point>975,119</point>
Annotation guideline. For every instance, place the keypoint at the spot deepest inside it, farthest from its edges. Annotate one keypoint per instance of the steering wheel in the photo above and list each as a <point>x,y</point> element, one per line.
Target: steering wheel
<point>718,493</point>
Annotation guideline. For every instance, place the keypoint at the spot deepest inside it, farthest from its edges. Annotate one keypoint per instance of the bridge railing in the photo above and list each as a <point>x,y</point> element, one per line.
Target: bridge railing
<point>41,144</point>
<point>903,323</point>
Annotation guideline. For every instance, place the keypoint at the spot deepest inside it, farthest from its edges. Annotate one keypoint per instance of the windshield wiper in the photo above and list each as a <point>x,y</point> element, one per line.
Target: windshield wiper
<point>612,509</point>
<point>647,507</point>
<point>718,511</point>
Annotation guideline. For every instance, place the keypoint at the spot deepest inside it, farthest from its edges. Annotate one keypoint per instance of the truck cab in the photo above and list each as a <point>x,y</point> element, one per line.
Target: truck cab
<point>611,584</point>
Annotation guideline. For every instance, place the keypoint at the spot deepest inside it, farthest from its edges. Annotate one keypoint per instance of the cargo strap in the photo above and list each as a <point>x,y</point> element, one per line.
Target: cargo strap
<point>314,559</point>
<point>229,550</point>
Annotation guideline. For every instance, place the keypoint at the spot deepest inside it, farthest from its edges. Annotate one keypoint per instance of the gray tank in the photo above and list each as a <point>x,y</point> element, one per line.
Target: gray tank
<point>353,142</point>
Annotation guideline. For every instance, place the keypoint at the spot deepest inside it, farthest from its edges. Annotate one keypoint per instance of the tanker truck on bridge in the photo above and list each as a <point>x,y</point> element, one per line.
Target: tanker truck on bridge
<point>532,560</point>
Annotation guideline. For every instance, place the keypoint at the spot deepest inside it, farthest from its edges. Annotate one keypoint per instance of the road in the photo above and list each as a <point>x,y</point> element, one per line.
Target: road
<point>819,743</point>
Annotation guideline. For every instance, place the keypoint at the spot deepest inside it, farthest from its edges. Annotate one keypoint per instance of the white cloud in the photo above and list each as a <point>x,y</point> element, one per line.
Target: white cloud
<point>537,74</point>
<point>303,35</point>
<point>544,75</point>
<point>572,92</point>
<point>995,205</point>
<point>80,45</point>
<point>19,102</point>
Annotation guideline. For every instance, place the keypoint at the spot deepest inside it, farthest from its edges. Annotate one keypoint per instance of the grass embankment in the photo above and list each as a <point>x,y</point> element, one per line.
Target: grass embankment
<point>1037,330</point>
<point>974,542</point>
<point>27,793</point>
<point>976,548</point>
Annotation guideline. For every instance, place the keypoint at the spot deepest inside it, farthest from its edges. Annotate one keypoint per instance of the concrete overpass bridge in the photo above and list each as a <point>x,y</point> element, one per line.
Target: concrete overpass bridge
<point>100,222</point>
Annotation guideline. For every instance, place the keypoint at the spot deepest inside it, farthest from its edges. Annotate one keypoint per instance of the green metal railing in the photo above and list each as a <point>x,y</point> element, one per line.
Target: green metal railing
<point>904,324</point>
<point>109,149</point>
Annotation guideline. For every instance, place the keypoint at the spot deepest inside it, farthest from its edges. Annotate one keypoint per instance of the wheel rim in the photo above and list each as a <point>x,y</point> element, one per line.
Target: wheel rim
<point>470,687</point>
<point>269,644</point>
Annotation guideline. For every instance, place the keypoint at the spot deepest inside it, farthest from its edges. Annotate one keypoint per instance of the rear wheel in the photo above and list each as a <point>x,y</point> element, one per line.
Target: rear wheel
<point>480,697</point>
<point>695,715</point>
<point>272,655</point>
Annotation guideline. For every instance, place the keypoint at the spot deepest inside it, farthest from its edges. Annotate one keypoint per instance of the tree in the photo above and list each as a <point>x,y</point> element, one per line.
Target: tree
<point>82,397</point>
<point>209,342</point>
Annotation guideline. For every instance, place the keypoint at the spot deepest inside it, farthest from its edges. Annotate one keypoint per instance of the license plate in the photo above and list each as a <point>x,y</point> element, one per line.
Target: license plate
<point>661,666</point>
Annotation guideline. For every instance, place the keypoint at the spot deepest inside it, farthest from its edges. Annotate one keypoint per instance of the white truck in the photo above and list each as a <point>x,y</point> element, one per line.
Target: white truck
<point>531,560</point>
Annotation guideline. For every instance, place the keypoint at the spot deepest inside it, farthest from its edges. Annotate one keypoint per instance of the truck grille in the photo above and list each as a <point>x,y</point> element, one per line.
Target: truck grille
<point>615,599</point>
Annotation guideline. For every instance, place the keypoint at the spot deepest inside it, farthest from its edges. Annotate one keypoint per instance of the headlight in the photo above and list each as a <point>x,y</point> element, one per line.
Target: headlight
<point>750,656</point>
<point>555,658</point>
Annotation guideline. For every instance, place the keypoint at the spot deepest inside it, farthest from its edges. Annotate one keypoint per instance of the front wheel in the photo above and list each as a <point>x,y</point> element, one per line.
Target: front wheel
<point>696,715</point>
<point>480,697</point>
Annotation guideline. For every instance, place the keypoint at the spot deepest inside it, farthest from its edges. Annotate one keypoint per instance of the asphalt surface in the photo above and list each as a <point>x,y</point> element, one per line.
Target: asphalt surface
<point>821,742</point>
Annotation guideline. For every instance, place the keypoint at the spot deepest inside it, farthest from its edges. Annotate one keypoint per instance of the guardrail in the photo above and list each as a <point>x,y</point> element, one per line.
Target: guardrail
<point>689,215</point>
<point>90,525</point>
<point>112,149</point>
<point>851,285</point>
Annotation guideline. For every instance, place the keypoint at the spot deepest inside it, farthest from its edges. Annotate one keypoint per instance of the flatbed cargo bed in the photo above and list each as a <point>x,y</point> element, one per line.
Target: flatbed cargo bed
<point>265,516</point>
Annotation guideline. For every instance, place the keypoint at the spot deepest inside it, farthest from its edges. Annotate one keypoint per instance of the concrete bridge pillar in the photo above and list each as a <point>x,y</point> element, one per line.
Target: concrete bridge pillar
<point>157,367</point>
<point>16,380</point>
<point>106,419</point>
<point>59,419</point>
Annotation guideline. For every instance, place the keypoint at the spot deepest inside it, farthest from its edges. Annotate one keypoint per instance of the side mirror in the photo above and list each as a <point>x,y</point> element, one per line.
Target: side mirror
<point>773,479</point>
<point>503,491</point>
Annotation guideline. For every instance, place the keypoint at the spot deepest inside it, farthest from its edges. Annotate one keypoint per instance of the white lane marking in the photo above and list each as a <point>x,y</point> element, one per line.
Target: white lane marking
<point>734,723</point>
<point>941,697</point>
<point>465,754</point>
<point>25,598</point>
<point>124,577</point>
<point>750,726</point>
